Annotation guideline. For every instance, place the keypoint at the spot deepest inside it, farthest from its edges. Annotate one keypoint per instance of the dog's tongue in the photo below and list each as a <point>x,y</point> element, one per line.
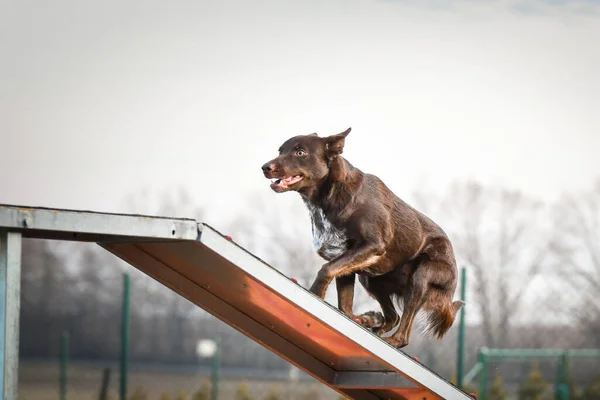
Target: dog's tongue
<point>292,179</point>
<point>284,182</point>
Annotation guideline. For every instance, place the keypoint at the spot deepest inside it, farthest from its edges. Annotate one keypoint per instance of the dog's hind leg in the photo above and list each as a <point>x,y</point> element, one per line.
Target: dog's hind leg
<point>390,316</point>
<point>414,298</point>
<point>429,280</point>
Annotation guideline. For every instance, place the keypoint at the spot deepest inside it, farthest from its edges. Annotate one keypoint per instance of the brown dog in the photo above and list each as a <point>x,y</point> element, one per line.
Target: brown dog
<point>362,228</point>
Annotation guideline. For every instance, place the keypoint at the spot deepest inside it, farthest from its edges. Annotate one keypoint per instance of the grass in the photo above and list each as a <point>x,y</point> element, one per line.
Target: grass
<point>39,381</point>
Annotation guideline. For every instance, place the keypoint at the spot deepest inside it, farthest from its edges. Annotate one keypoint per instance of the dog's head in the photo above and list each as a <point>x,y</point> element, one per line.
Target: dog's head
<point>303,161</point>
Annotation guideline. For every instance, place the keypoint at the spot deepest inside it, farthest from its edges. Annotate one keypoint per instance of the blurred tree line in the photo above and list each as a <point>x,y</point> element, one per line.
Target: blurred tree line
<point>534,279</point>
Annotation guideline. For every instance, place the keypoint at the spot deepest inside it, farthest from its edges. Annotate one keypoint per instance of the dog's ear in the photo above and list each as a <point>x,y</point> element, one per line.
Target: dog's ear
<point>334,144</point>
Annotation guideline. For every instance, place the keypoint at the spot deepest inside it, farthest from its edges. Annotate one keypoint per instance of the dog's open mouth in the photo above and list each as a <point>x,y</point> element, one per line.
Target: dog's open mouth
<point>285,183</point>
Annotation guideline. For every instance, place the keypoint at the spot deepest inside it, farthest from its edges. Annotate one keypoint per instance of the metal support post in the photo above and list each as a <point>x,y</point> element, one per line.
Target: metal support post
<point>105,383</point>
<point>10,293</point>
<point>64,360</point>
<point>216,366</point>
<point>125,337</point>
<point>562,378</point>
<point>461,332</point>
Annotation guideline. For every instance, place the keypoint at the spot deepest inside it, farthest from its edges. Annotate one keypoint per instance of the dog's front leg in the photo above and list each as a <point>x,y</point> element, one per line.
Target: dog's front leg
<point>345,293</point>
<point>348,263</point>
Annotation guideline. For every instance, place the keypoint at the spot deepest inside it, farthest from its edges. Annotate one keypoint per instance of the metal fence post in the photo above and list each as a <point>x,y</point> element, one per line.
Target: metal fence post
<point>64,357</point>
<point>216,365</point>
<point>125,336</point>
<point>562,384</point>
<point>105,382</point>
<point>10,296</point>
<point>483,379</point>
<point>461,332</point>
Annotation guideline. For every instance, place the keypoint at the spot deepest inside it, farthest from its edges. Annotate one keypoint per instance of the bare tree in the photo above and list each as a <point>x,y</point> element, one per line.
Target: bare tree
<point>46,293</point>
<point>170,202</point>
<point>576,245</point>
<point>498,235</point>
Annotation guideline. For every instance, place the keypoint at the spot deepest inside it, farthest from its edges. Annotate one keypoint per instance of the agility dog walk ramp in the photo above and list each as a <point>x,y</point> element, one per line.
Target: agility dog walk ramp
<point>221,277</point>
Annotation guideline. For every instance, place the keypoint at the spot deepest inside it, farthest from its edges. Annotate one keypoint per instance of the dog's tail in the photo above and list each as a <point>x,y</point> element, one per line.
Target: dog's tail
<point>440,319</point>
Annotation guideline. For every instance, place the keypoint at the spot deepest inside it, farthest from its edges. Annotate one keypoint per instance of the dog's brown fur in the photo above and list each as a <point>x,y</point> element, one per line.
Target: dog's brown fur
<point>363,229</point>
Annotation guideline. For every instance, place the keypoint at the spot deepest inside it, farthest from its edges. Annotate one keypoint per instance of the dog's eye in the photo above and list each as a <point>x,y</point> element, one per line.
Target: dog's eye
<point>300,153</point>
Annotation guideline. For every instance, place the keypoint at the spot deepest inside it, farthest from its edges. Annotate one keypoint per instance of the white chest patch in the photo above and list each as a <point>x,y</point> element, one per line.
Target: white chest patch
<point>328,241</point>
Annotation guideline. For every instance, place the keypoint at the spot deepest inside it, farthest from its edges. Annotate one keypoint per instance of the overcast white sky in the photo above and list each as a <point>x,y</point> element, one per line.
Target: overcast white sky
<point>99,99</point>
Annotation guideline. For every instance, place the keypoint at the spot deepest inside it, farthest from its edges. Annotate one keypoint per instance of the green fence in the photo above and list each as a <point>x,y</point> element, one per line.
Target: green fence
<point>535,373</point>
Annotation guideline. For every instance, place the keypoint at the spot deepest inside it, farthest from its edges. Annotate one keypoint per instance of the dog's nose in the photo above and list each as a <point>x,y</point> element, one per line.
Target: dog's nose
<point>268,167</point>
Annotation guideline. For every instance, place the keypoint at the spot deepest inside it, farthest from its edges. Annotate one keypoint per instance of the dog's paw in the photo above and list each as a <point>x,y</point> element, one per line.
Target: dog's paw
<point>382,330</point>
<point>396,342</point>
<point>370,319</point>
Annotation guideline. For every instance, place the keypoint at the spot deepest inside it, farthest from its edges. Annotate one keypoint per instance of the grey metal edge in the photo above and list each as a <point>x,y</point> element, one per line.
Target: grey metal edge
<point>74,225</point>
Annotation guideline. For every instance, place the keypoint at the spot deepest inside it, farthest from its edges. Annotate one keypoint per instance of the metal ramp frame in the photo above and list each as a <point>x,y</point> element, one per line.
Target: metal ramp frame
<point>214,273</point>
